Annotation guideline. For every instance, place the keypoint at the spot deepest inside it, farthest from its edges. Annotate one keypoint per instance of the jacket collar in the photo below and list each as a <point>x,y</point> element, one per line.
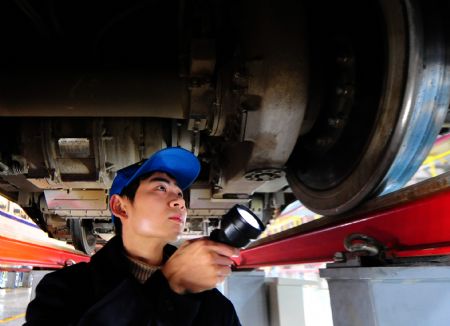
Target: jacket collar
<point>110,266</point>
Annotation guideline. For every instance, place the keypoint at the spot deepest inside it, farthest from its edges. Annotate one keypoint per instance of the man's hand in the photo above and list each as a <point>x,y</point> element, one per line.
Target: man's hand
<point>198,265</point>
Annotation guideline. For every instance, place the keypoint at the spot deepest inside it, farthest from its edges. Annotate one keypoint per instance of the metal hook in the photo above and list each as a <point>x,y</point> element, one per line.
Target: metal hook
<point>364,245</point>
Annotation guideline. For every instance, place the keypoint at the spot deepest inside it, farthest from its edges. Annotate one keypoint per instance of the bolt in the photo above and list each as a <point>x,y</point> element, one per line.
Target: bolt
<point>240,81</point>
<point>341,91</point>
<point>335,122</point>
<point>324,141</point>
<point>195,82</point>
<point>339,257</point>
<point>342,59</point>
<point>344,91</point>
<point>69,262</point>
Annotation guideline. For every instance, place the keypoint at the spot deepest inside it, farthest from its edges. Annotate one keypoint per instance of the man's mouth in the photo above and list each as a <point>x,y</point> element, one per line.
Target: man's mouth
<point>177,219</point>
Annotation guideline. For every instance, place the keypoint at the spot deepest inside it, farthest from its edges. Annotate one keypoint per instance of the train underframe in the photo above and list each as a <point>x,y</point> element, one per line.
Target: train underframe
<point>330,103</point>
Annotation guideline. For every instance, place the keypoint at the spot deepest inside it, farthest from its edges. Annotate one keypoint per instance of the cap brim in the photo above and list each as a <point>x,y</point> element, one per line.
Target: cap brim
<point>175,161</point>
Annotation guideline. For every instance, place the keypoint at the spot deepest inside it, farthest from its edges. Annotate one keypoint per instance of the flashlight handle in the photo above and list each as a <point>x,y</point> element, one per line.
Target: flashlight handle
<point>217,236</point>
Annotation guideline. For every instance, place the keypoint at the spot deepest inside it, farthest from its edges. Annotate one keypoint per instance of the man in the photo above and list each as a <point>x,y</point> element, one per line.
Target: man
<point>137,278</point>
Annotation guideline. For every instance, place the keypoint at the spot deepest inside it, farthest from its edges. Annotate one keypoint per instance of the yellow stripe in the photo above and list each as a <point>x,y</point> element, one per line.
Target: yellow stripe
<point>12,318</point>
<point>432,158</point>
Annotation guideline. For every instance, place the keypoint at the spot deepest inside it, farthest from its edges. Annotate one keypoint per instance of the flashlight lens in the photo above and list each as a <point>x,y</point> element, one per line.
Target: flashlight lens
<point>249,218</point>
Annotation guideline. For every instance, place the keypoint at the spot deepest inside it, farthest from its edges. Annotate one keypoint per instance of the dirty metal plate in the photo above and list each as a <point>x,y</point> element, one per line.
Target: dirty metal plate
<point>74,147</point>
<point>76,199</point>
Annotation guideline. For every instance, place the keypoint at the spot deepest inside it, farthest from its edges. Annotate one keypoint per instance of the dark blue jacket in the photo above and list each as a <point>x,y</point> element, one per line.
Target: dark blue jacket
<point>104,292</point>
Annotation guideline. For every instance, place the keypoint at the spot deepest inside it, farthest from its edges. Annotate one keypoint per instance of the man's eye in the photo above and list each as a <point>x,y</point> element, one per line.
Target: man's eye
<point>180,194</point>
<point>161,188</point>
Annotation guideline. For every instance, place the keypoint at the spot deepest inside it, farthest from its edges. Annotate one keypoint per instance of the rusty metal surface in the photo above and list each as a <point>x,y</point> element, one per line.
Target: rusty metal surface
<point>272,92</point>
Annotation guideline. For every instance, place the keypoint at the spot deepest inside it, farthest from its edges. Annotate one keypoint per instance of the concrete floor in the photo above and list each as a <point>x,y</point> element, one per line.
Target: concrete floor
<point>13,303</point>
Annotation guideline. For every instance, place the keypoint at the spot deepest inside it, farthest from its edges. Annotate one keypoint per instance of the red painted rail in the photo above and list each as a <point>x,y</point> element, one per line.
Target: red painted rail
<point>420,227</point>
<point>20,253</point>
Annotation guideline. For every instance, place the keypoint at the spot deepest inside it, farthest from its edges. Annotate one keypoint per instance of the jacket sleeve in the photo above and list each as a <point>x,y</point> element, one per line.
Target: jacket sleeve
<point>207,308</point>
<point>217,310</point>
<point>58,300</point>
<point>230,317</point>
<point>170,307</point>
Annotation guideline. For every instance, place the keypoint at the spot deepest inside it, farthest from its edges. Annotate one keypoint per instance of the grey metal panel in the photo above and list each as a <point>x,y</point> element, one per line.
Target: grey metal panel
<point>37,276</point>
<point>247,292</point>
<point>382,296</point>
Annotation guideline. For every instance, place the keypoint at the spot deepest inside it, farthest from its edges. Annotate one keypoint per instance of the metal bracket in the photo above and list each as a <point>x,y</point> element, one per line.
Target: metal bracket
<point>362,251</point>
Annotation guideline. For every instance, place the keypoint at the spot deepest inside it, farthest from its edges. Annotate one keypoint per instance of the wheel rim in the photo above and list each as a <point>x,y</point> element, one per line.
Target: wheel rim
<point>332,175</point>
<point>427,98</point>
<point>87,230</point>
<point>83,236</point>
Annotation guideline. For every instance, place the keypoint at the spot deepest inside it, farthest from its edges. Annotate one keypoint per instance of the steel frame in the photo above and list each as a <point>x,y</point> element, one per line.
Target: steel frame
<point>417,224</point>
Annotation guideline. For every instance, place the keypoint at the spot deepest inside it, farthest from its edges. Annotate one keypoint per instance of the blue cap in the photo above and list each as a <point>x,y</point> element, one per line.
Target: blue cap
<point>175,161</point>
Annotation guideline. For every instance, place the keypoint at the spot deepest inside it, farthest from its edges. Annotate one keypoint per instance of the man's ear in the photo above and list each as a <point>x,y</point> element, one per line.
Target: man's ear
<point>117,205</point>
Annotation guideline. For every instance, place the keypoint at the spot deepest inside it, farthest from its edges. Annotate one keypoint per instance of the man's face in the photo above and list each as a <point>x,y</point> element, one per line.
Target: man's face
<point>158,210</point>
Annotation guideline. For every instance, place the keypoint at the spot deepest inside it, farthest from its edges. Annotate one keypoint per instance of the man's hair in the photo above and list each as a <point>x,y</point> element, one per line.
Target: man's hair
<point>129,192</point>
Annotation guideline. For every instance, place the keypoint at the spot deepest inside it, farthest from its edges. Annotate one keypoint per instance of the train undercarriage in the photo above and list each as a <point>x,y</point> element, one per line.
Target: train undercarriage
<point>331,103</point>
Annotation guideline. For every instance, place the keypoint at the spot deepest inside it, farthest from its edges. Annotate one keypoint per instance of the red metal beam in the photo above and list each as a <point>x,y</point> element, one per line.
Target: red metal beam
<point>417,228</point>
<point>19,253</point>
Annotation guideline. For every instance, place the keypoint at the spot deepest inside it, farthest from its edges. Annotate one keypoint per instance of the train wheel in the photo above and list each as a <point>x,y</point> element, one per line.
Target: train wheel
<point>83,236</point>
<point>379,93</point>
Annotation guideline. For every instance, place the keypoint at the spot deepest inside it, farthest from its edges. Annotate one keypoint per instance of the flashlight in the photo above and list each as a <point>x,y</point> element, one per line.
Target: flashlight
<point>239,226</point>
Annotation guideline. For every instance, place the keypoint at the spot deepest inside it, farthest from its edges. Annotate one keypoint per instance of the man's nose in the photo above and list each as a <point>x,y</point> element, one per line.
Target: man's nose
<point>178,203</point>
